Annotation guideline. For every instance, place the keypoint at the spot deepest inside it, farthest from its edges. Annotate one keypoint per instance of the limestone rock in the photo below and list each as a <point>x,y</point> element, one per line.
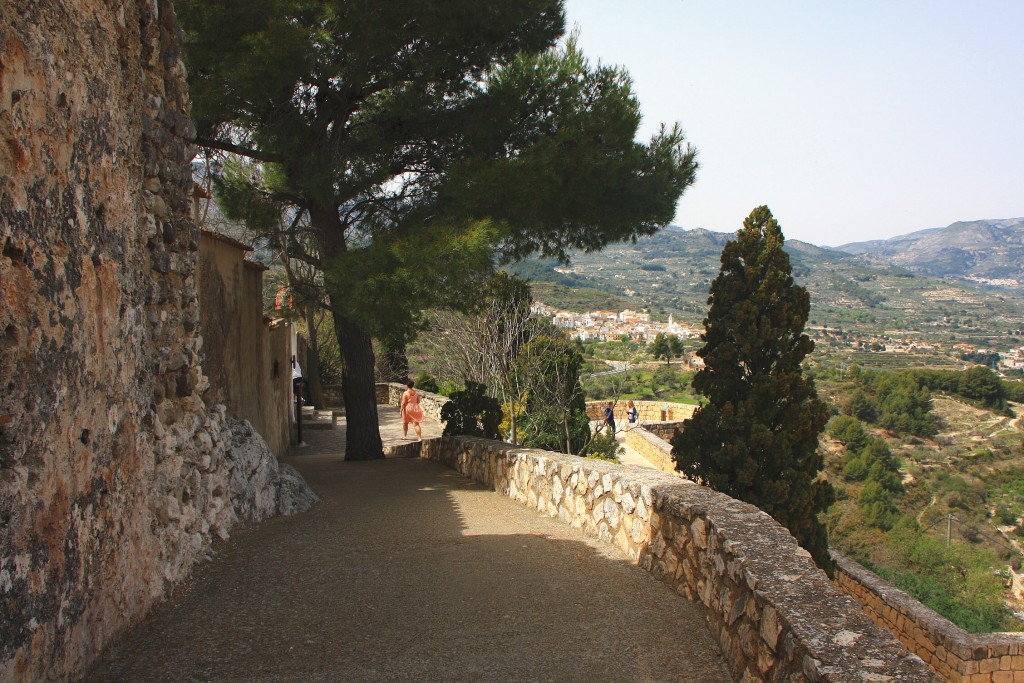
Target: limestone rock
<point>260,488</point>
<point>294,495</point>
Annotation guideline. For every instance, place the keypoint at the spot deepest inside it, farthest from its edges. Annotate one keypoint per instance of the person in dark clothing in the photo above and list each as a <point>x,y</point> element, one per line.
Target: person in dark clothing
<point>609,416</point>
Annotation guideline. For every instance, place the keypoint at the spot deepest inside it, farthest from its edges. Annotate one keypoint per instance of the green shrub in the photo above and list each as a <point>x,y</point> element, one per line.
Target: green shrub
<point>604,447</point>
<point>856,468</point>
<point>849,431</point>
<point>426,383</point>
<point>471,412</point>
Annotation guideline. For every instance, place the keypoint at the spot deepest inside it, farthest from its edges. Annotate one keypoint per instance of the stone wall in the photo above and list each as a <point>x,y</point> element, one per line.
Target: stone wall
<point>776,616</point>
<point>655,449</point>
<point>247,357</point>
<point>391,394</point>
<point>663,430</point>
<point>948,649</point>
<point>647,411</point>
<point>112,475</point>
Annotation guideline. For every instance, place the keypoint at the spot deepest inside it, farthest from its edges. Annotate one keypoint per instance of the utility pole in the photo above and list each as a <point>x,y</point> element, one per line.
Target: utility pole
<point>949,528</point>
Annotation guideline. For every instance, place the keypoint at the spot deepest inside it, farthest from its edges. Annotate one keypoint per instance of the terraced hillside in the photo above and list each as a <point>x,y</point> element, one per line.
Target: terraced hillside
<point>670,272</point>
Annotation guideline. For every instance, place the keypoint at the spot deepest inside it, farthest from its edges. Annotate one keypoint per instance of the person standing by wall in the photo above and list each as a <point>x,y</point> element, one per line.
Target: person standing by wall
<point>631,413</point>
<point>411,412</point>
<point>609,416</point>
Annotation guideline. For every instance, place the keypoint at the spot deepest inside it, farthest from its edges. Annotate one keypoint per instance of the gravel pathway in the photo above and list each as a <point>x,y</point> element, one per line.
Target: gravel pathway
<point>407,571</point>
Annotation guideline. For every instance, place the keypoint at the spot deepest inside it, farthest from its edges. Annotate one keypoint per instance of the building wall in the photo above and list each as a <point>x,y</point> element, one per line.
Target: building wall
<point>246,358</point>
<point>112,475</point>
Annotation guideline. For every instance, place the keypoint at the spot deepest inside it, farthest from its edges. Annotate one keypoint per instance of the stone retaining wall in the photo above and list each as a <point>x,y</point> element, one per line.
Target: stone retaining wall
<point>948,649</point>
<point>776,616</point>
<point>391,394</point>
<point>647,411</point>
<point>654,448</point>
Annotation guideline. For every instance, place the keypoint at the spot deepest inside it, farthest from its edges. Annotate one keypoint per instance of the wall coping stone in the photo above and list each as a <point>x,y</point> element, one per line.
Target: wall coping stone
<point>776,615</point>
<point>921,623</point>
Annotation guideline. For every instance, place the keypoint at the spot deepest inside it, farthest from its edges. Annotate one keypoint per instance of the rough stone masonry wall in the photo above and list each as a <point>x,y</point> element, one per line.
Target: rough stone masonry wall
<point>949,650</point>
<point>655,449</point>
<point>391,394</point>
<point>112,476</point>
<point>776,616</point>
<point>647,411</point>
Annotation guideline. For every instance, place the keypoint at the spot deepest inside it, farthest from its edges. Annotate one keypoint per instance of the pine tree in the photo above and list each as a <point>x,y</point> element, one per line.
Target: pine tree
<point>757,438</point>
<point>413,142</point>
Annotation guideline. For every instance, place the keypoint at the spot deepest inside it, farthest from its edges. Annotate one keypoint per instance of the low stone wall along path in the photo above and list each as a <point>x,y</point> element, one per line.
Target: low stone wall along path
<point>407,571</point>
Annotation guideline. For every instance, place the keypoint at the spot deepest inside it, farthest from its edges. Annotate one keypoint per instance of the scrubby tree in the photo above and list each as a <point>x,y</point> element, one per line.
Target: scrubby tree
<point>415,141</point>
<point>757,437</point>
<point>849,431</point>
<point>667,346</point>
<point>556,410</point>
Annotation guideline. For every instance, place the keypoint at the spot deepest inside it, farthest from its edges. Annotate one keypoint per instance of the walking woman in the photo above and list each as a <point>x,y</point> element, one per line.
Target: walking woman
<point>411,412</point>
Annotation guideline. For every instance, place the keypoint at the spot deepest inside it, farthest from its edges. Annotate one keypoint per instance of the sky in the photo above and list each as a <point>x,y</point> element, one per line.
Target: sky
<point>850,120</point>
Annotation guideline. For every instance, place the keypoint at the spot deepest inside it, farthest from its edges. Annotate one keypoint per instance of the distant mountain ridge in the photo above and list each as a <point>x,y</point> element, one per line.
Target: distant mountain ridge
<point>979,250</point>
<point>872,291</point>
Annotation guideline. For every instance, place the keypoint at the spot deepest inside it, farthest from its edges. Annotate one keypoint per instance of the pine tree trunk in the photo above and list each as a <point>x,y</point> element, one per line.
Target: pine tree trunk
<point>316,389</point>
<point>362,435</point>
<point>358,388</point>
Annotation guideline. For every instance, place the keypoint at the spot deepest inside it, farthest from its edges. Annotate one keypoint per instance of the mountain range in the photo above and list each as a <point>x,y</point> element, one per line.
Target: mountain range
<point>934,283</point>
<point>980,250</point>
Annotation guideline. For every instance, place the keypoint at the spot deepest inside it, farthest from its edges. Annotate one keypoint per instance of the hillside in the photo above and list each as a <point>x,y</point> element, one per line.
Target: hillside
<point>671,271</point>
<point>983,249</point>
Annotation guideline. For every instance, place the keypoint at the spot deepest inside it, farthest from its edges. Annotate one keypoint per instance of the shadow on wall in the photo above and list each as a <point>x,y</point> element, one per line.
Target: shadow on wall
<point>776,616</point>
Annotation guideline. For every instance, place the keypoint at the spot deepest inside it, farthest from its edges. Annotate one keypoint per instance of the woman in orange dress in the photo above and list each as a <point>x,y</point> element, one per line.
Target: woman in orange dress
<point>411,412</point>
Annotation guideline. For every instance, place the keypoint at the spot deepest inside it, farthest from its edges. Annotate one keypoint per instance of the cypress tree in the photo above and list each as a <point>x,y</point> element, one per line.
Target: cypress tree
<point>757,437</point>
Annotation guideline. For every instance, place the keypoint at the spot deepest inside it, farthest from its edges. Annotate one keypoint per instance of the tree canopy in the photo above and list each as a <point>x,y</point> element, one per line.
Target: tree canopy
<point>757,437</point>
<point>667,346</point>
<point>416,143</point>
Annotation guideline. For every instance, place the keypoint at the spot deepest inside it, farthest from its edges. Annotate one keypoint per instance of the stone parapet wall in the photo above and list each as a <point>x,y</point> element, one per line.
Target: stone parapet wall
<point>776,616</point>
<point>647,411</point>
<point>948,649</point>
<point>663,430</point>
<point>654,448</point>
<point>391,394</point>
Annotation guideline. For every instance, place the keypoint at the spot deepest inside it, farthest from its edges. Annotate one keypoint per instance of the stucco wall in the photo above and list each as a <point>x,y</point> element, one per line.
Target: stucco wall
<point>246,359</point>
<point>948,649</point>
<point>112,476</point>
<point>776,616</point>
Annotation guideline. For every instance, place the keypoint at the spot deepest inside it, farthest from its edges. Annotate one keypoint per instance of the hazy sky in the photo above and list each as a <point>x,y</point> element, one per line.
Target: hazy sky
<point>851,120</point>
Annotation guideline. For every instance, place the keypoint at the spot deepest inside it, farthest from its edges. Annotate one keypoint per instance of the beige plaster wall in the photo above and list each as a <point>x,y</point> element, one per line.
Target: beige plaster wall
<point>246,357</point>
